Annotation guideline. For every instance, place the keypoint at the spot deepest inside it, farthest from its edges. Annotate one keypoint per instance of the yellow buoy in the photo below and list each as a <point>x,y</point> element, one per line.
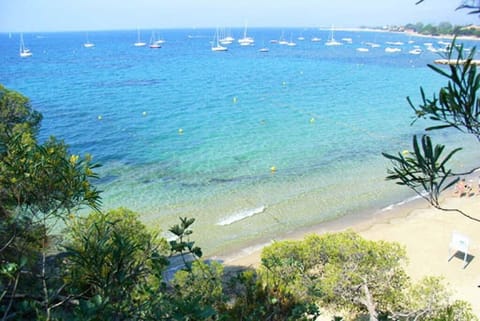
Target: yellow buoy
<point>235,100</point>
<point>312,120</point>
<point>144,113</point>
<point>284,83</point>
<point>180,131</point>
<point>273,169</point>
<point>99,117</point>
<point>405,152</point>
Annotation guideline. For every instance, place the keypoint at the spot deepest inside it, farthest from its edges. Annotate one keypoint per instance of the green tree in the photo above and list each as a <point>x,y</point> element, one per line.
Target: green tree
<point>253,298</point>
<point>198,291</point>
<point>39,185</point>
<point>348,273</point>
<point>110,259</point>
<point>16,114</point>
<point>445,28</point>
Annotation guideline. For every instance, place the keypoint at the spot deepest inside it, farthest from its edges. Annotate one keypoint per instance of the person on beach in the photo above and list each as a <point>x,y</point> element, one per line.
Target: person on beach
<point>461,187</point>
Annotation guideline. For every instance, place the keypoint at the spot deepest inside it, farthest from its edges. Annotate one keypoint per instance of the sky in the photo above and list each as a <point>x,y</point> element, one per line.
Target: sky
<point>81,15</point>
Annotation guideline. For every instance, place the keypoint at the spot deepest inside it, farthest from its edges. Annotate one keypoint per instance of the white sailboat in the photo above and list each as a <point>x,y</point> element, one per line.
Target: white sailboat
<point>362,49</point>
<point>245,40</point>
<point>392,49</point>
<point>139,42</point>
<point>291,43</point>
<point>331,40</point>
<point>154,43</point>
<point>24,51</point>
<point>216,46</point>
<point>226,37</point>
<point>88,44</point>
<point>282,41</point>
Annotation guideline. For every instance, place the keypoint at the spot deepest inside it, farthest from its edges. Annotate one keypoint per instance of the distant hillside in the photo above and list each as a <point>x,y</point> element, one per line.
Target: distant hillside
<point>444,28</point>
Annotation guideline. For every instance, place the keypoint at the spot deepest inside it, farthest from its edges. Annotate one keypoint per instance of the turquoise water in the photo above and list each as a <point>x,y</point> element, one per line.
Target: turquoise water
<point>184,131</point>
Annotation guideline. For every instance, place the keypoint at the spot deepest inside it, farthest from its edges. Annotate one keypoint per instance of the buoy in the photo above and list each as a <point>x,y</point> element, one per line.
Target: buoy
<point>405,152</point>
<point>99,117</point>
<point>144,113</point>
<point>312,120</point>
<point>273,169</point>
<point>180,131</point>
<point>235,100</point>
<point>284,83</point>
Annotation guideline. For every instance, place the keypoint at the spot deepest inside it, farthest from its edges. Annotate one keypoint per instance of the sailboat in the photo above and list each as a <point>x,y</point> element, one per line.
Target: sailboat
<point>331,40</point>
<point>24,51</point>
<point>227,38</point>
<point>139,42</point>
<point>246,41</point>
<point>216,46</point>
<point>88,44</point>
<point>154,43</point>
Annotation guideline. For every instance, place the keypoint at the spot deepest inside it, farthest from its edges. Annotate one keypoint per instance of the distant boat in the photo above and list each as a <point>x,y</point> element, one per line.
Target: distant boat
<point>347,40</point>
<point>216,46</point>
<point>415,51</point>
<point>264,49</point>
<point>430,47</point>
<point>24,51</point>
<point>315,39</point>
<point>245,40</point>
<point>331,40</point>
<point>362,49</point>
<point>139,42</point>
<point>392,50</point>
<point>395,43</point>
<point>88,44</point>
<point>291,43</point>
<point>282,41</point>
<point>154,43</point>
<point>372,44</point>
<point>226,37</point>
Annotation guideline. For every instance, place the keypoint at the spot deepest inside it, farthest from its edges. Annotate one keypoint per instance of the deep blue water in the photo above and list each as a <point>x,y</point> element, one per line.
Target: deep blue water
<point>184,131</point>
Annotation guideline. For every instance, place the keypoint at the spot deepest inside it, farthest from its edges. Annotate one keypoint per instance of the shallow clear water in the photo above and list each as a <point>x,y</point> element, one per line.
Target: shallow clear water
<point>184,131</point>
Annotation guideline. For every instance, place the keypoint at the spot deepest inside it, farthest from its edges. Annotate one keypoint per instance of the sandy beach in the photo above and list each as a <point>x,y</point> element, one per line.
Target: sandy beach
<point>426,233</point>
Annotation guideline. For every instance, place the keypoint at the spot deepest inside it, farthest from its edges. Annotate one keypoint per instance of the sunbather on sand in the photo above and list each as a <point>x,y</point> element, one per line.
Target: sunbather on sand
<point>461,188</point>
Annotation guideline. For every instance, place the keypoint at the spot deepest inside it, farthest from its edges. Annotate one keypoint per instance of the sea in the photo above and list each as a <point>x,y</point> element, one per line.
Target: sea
<point>253,145</point>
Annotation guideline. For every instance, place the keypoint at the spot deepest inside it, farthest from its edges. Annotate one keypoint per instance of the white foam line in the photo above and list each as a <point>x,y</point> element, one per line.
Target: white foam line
<point>241,215</point>
<point>392,206</point>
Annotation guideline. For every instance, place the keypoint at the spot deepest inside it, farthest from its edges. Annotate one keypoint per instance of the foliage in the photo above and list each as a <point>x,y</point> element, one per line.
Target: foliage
<point>348,273</point>
<point>182,245</point>
<point>456,106</point>
<point>110,259</point>
<point>16,114</point>
<point>255,299</point>
<point>200,286</point>
<point>472,5</point>
<point>429,300</point>
<point>39,184</point>
<point>423,169</point>
<point>44,180</point>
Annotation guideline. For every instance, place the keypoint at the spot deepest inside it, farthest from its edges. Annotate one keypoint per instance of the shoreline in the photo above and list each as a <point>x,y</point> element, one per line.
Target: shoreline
<point>423,230</point>
<point>249,254</point>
